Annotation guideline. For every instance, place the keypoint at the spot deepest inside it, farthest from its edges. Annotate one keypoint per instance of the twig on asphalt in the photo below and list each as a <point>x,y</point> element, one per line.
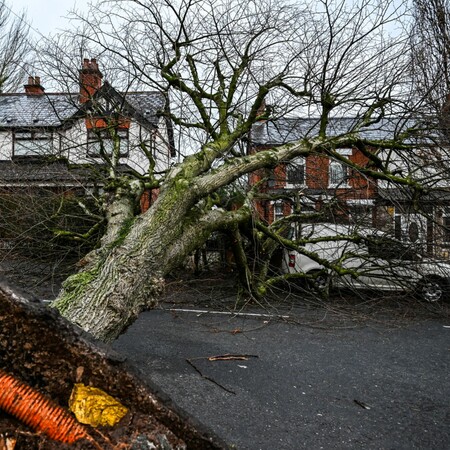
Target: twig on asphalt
<point>209,378</point>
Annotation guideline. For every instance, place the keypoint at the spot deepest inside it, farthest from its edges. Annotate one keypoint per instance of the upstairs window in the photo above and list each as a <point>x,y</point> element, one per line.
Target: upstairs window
<point>295,173</point>
<point>338,174</point>
<point>32,143</point>
<point>102,142</point>
<point>278,211</point>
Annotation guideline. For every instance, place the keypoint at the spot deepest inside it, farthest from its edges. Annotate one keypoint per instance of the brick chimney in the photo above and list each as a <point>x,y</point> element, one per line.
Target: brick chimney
<point>90,79</point>
<point>34,86</point>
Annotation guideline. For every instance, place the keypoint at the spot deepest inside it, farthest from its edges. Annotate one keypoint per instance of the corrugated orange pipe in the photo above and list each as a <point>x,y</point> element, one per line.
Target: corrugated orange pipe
<point>39,412</point>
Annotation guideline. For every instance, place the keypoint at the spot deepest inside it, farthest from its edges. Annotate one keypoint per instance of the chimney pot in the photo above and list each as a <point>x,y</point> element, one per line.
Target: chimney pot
<point>34,86</point>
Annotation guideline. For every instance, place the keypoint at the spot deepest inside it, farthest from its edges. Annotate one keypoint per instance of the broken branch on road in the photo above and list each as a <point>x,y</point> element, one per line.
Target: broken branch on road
<point>229,357</point>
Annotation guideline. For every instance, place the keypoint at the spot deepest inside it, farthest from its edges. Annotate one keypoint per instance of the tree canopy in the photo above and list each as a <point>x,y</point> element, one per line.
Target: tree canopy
<point>226,66</point>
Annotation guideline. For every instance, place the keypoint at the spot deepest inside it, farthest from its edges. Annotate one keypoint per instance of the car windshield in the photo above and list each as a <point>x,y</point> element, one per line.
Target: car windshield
<point>388,248</point>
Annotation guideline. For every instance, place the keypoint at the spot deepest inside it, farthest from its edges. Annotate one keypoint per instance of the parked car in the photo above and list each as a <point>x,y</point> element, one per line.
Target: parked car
<point>370,258</point>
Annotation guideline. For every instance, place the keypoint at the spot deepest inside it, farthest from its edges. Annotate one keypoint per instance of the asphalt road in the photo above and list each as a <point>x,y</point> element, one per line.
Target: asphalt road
<point>371,386</point>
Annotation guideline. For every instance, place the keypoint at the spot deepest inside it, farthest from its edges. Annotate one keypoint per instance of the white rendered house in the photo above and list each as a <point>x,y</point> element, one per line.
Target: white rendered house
<point>52,139</point>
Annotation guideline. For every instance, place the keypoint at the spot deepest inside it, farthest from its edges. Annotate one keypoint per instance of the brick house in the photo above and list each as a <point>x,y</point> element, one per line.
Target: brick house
<point>329,190</point>
<point>314,180</point>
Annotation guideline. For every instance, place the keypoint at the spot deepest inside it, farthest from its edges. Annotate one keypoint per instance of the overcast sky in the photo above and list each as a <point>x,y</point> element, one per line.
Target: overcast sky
<point>47,15</point>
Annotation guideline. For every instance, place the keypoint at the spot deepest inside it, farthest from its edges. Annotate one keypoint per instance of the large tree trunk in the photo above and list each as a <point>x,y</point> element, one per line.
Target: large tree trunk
<point>126,275</point>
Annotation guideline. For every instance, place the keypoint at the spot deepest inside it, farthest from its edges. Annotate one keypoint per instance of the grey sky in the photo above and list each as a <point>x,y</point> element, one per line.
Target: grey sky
<point>47,15</point>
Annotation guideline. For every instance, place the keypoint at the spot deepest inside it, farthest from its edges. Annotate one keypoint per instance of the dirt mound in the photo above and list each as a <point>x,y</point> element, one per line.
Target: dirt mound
<point>43,350</point>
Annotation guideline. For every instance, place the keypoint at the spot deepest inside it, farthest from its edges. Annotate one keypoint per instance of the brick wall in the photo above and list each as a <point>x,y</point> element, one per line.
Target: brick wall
<point>358,188</point>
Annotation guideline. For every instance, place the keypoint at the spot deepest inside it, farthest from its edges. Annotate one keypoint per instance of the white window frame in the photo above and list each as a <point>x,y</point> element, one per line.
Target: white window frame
<point>343,182</point>
<point>278,215</point>
<point>35,142</point>
<point>98,136</point>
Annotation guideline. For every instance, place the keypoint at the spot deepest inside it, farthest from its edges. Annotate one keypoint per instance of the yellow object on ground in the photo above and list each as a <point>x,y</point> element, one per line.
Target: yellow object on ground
<point>94,407</point>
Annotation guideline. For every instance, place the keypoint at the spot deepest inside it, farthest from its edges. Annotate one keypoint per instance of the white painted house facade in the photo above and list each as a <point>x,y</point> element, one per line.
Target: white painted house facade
<point>70,132</point>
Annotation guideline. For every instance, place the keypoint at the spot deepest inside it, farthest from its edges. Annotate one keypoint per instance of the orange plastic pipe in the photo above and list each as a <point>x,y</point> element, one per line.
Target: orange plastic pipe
<point>38,412</point>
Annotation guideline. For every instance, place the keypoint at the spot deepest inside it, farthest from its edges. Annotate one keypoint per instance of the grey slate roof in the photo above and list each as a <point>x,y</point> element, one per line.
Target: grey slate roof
<point>149,104</point>
<point>284,130</point>
<point>405,194</point>
<point>56,109</point>
<point>49,110</point>
<point>145,107</point>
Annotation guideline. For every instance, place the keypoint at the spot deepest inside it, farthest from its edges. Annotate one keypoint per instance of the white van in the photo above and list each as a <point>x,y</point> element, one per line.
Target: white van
<point>367,259</point>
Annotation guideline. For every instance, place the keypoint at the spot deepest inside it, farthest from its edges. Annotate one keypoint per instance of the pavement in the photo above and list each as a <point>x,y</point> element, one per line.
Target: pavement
<point>300,377</point>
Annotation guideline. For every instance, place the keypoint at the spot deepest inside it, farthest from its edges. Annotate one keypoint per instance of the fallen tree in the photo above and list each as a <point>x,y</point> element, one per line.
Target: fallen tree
<point>221,63</point>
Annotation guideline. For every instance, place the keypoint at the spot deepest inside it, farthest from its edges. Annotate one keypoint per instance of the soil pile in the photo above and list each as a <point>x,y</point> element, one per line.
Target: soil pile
<point>41,349</point>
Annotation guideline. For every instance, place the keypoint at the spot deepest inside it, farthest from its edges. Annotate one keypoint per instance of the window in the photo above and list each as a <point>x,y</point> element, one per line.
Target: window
<point>102,140</point>
<point>338,175</point>
<point>295,173</point>
<point>280,210</point>
<point>33,143</point>
<point>338,172</point>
